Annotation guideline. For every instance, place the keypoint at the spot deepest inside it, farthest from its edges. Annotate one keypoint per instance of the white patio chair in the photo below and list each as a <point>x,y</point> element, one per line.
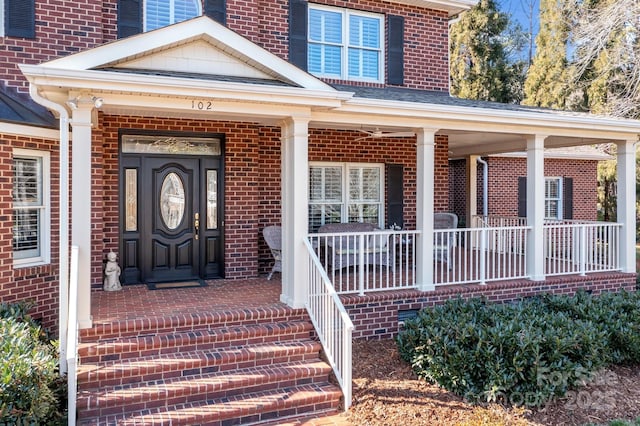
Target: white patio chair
<point>273,237</point>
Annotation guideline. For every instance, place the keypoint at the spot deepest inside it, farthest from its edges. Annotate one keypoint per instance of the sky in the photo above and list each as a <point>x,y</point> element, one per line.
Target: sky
<point>526,12</point>
<point>520,10</point>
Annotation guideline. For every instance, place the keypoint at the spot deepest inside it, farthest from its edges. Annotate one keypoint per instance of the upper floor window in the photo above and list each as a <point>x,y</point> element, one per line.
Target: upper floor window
<point>160,13</point>
<point>345,44</point>
<point>31,215</point>
<point>345,192</point>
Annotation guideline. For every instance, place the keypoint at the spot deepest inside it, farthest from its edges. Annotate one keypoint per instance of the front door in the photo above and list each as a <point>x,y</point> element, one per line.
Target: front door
<point>178,233</point>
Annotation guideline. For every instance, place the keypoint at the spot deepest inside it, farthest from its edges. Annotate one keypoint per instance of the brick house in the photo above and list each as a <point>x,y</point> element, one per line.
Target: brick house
<point>174,134</point>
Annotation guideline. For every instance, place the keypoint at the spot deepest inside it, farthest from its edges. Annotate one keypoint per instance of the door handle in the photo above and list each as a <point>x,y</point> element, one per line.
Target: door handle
<point>196,224</point>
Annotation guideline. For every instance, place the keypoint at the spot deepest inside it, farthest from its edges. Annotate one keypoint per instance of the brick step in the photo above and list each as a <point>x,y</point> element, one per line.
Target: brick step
<point>180,390</point>
<point>187,322</point>
<point>244,409</point>
<point>192,340</point>
<point>167,366</point>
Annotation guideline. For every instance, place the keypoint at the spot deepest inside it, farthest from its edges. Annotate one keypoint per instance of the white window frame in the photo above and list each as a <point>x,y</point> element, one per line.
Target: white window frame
<point>346,201</point>
<point>344,45</point>
<point>44,237</point>
<point>172,19</point>
<point>559,198</point>
<point>2,18</point>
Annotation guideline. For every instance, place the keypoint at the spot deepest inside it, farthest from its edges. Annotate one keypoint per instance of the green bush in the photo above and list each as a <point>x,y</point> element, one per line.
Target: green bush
<point>524,352</point>
<point>31,392</point>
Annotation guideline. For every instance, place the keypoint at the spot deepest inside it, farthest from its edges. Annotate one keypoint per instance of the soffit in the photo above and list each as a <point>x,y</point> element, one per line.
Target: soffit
<point>453,7</point>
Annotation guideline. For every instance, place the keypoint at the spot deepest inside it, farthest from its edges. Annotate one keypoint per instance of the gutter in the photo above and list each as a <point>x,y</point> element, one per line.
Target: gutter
<point>485,187</point>
<point>63,221</point>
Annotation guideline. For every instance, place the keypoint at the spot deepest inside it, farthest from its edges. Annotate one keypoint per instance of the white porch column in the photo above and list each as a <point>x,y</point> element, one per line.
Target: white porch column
<point>627,204</point>
<point>535,206</point>
<point>425,152</point>
<point>81,203</point>
<point>472,188</point>
<point>295,205</point>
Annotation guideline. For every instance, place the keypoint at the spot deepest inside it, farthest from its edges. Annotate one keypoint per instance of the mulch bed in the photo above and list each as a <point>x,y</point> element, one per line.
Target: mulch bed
<point>387,392</point>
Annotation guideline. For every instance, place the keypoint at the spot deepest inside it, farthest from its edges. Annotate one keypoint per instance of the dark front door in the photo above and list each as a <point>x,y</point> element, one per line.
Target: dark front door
<point>179,236</point>
<point>171,204</point>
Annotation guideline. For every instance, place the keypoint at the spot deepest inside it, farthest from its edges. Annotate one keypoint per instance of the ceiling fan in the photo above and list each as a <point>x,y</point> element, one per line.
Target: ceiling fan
<point>380,134</point>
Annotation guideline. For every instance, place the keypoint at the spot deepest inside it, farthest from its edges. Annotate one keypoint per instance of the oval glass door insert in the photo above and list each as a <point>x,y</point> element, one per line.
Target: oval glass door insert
<point>172,200</point>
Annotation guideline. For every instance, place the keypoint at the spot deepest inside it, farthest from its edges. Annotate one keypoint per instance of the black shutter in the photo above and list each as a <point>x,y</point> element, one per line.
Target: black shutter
<point>20,18</point>
<point>395,59</point>
<point>567,198</point>
<point>129,17</point>
<point>298,33</point>
<point>216,10</point>
<point>395,195</point>
<point>522,196</point>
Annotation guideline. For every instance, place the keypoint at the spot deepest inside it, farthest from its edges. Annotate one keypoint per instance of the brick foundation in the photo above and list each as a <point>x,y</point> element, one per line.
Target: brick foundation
<point>376,316</point>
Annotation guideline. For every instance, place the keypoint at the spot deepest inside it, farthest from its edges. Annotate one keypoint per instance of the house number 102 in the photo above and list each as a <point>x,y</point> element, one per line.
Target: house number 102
<point>202,105</point>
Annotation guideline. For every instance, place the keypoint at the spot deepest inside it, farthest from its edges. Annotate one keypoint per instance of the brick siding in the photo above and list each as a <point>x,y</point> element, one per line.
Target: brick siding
<point>66,27</point>
<point>503,185</point>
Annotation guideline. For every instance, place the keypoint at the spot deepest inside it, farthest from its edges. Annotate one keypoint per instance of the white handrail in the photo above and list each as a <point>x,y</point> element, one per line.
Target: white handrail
<point>332,323</point>
<point>72,338</point>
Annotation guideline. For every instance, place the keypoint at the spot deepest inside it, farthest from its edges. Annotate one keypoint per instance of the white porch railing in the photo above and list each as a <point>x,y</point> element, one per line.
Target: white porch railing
<point>496,249</point>
<point>331,322</point>
<point>580,247</point>
<point>479,255</point>
<point>72,338</point>
<point>360,262</point>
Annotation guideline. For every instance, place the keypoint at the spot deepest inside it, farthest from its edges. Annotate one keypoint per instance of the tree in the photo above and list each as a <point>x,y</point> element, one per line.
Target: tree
<point>480,65</point>
<point>546,82</point>
<point>606,63</point>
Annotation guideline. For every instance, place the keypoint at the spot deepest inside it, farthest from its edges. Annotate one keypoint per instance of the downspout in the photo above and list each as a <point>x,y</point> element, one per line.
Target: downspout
<point>449,24</point>
<point>485,187</point>
<point>63,221</point>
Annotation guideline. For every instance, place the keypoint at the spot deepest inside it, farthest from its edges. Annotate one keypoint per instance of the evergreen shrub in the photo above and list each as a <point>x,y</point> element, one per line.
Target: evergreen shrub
<point>31,391</point>
<point>525,352</point>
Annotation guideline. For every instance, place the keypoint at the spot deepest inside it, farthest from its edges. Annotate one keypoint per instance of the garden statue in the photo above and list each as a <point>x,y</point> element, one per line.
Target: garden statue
<point>112,274</point>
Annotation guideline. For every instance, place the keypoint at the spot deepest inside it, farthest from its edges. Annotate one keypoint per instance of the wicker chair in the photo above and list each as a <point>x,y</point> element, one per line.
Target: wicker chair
<point>273,237</point>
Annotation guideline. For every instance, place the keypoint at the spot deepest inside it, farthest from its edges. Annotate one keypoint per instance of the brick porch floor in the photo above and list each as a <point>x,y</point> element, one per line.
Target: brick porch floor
<point>138,302</point>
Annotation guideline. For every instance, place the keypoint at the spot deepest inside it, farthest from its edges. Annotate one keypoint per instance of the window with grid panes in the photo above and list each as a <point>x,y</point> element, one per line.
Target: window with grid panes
<point>345,193</point>
<point>345,44</point>
<point>160,13</point>
<point>553,198</point>
<point>30,207</point>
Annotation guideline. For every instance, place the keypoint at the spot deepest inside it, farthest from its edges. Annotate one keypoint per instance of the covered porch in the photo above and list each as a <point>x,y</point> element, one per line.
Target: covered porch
<point>277,122</point>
